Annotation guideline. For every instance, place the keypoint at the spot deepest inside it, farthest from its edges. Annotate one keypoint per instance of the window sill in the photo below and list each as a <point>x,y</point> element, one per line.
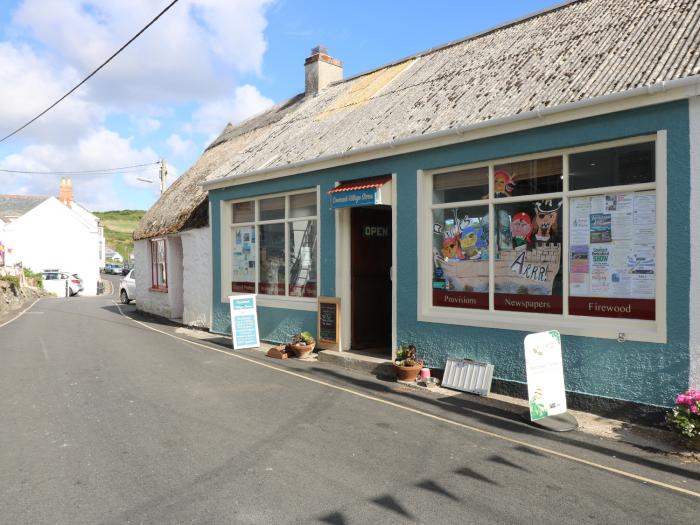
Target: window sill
<point>158,290</point>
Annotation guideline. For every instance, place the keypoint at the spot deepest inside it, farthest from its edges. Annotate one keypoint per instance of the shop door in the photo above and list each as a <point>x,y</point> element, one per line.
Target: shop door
<point>371,241</point>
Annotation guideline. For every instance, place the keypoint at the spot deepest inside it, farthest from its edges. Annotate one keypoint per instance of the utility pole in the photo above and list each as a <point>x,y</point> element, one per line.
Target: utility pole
<point>163,175</point>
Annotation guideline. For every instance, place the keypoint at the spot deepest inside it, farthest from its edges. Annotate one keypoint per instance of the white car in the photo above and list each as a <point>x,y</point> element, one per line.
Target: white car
<point>127,288</point>
<point>75,283</point>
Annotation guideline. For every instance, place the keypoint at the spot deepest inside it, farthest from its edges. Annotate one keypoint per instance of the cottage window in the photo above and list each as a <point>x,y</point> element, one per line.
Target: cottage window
<point>553,241</point>
<point>274,245</point>
<point>159,267</point>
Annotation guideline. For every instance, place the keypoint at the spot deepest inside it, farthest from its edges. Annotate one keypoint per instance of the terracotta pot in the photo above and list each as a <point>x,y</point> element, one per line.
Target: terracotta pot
<point>302,351</point>
<point>407,373</point>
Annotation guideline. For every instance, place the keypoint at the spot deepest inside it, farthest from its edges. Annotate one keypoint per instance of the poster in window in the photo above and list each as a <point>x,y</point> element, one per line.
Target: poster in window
<point>622,277</point>
<point>528,264</point>
<point>460,258</point>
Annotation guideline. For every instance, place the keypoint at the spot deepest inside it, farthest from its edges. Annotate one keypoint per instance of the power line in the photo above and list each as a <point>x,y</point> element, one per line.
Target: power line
<point>81,172</point>
<point>91,74</point>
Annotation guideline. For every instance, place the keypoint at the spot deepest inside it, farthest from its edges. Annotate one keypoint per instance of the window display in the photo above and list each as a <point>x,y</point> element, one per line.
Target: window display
<point>538,211</point>
<point>528,258</point>
<point>460,257</point>
<point>275,255</point>
<point>612,255</point>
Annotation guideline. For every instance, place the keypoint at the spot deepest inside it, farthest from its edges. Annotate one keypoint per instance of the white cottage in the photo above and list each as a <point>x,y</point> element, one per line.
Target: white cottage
<point>46,232</point>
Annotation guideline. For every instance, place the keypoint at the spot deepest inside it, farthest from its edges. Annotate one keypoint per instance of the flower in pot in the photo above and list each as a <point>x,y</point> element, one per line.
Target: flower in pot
<point>406,365</point>
<point>685,417</point>
<point>302,344</point>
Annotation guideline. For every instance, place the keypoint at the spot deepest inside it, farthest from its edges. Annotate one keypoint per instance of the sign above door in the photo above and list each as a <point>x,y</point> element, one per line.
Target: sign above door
<point>361,192</point>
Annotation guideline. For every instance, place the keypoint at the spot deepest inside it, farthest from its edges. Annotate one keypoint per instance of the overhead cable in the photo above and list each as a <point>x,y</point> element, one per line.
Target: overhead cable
<point>91,74</point>
<point>81,172</point>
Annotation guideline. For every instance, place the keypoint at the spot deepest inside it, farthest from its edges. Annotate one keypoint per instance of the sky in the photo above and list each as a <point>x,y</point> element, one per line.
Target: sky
<point>201,65</point>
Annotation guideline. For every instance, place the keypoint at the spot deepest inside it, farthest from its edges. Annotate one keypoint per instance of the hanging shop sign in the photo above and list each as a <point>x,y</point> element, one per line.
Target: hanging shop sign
<point>361,192</point>
<point>545,374</point>
<point>244,321</point>
<point>329,323</point>
<point>355,198</point>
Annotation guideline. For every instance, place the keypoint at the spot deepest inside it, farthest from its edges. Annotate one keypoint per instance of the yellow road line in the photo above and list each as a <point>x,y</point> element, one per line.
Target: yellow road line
<point>19,314</point>
<point>429,415</point>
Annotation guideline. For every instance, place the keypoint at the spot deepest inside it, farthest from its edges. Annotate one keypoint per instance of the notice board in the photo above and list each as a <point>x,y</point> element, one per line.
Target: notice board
<point>329,323</point>
<point>545,374</point>
<point>244,321</point>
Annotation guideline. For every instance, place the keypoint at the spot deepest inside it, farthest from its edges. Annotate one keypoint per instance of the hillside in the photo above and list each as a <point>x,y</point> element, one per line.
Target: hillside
<point>119,226</point>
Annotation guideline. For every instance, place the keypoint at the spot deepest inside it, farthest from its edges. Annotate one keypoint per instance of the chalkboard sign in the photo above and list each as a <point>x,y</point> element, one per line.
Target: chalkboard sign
<point>329,323</point>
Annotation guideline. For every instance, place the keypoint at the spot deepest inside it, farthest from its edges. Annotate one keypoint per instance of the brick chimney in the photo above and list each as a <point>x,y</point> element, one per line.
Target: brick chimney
<point>320,69</point>
<point>65,194</point>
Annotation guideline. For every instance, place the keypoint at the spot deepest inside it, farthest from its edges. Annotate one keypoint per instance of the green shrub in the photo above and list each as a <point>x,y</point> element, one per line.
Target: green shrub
<point>37,277</point>
<point>14,281</point>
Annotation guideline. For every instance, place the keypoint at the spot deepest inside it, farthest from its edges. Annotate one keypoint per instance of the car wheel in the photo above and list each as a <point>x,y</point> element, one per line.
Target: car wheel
<point>124,297</point>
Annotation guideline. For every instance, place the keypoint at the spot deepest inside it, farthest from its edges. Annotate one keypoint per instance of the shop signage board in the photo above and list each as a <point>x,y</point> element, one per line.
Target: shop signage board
<point>244,321</point>
<point>329,323</point>
<point>545,374</point>
<point>354,198</point>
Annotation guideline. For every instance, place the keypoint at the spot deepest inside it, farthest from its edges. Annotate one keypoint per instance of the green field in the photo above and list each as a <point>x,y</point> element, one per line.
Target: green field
<point>119,226</point>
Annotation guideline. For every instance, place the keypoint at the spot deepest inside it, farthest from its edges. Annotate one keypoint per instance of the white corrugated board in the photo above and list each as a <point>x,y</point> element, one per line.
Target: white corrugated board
<point>468,376</point>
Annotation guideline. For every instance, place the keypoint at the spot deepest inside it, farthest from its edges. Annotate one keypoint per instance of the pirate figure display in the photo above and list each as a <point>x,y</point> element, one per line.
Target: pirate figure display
<point>546,218</point>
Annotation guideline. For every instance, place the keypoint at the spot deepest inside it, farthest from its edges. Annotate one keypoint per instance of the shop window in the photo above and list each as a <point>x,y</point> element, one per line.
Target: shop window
<point>530,177</point>
<point>159,267</point>
<point>460,257</point>
<point>528,269</point>
<point>462,185</point>
<point>501,244</point>
<point>276,254</point>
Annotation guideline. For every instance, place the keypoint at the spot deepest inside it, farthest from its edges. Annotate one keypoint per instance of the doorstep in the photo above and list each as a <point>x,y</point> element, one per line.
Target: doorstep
<point>376,366</point>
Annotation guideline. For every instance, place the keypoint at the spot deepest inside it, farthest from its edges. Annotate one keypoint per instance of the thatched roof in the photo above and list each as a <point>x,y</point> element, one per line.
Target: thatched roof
<point>582,50</point>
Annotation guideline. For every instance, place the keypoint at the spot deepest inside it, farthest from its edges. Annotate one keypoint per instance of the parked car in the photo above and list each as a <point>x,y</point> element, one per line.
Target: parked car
<point>127,288</point>
<point>75,283</point>
<point>127,268</point>
<point>115,269</point>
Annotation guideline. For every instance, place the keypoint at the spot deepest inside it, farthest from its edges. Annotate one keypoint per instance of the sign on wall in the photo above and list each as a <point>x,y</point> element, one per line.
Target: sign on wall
<point>353,198</point>
<point>545,374</point>
<point>329,323</point>
<point>244,321</point>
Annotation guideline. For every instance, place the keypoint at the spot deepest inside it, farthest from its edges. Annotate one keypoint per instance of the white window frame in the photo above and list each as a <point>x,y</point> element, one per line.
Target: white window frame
<point>227,226</point>
<point>601,327</point>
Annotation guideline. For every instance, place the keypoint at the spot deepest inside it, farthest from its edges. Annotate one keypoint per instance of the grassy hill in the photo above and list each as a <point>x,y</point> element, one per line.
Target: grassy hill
<point>119,226</point>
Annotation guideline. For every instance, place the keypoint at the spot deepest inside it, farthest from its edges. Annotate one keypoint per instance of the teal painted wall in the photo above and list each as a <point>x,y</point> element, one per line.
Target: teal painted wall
<point>640,372</point>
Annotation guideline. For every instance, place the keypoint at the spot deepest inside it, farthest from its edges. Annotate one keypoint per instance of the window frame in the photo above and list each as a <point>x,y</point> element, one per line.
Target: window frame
<point>227,226</point>
<point>620,329</point>
<point>153,243</point>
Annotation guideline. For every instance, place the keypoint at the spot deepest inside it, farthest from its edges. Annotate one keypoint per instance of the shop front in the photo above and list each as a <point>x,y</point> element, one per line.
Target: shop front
<point>463,249</point>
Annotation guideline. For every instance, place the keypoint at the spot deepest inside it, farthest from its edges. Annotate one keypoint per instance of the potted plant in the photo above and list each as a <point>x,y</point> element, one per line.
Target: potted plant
<point>685,417</point>
<point>302,344</point>
<point>406,365</point>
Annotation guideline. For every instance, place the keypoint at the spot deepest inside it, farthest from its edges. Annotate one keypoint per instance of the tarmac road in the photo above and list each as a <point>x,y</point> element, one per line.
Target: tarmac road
<point>105,420</point>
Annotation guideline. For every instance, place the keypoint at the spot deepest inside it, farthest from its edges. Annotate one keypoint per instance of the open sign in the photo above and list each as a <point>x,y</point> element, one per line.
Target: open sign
<point>375,231</point>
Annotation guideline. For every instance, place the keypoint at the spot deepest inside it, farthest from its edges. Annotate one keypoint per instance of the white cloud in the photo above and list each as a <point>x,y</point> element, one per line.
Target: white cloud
<point>98,150</point>
<point>179,147</point>
<point>212,117</point>
<point>179,58</point>
<point>145,125</point>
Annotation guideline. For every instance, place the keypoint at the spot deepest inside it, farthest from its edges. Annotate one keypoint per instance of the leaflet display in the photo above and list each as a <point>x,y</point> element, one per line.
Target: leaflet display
<point>612,255</point>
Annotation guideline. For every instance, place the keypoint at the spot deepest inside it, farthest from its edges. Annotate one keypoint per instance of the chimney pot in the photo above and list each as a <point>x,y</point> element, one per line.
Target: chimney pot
<point>320,70</point>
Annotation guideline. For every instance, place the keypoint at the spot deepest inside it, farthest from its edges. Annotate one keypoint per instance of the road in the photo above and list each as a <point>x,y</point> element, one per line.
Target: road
<point>106,420</point>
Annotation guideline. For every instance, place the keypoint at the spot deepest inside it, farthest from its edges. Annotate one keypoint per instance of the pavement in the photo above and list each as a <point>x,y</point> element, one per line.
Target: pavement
<point>111,417</point>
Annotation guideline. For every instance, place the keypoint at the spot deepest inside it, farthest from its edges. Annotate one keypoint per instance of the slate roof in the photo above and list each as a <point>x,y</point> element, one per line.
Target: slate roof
<point>581,50</point>
<point>14,206</point>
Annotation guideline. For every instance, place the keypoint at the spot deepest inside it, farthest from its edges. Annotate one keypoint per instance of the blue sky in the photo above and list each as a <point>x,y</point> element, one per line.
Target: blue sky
<point>203,64</point>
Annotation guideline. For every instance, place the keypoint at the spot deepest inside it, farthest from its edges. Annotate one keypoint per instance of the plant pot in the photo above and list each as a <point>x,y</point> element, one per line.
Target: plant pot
<point>407,373</point>
<point>302,351</point>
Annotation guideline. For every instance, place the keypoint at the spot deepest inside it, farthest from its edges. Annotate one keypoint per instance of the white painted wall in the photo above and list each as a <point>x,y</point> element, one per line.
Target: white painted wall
<point>174,269</point>
<point>196,248</point>
<point>694,306</point>
<point>54,236</point>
